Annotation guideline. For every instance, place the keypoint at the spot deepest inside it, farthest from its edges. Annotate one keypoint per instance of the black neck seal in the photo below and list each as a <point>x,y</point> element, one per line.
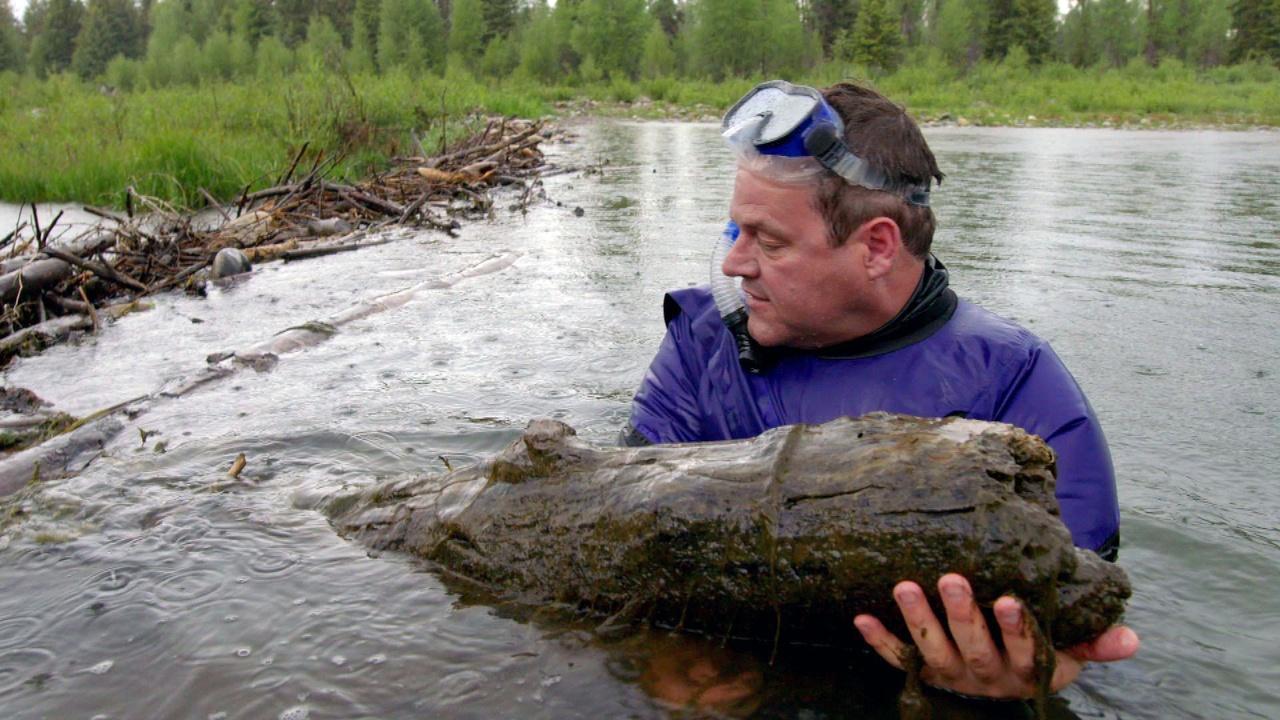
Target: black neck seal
<point>930,306</point>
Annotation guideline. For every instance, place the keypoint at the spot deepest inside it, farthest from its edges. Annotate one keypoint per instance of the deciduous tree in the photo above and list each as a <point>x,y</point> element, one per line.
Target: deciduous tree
<point>110,28</point>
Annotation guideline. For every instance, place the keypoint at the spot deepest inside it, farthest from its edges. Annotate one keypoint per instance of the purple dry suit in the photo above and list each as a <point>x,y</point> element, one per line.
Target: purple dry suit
<point>963,361</point>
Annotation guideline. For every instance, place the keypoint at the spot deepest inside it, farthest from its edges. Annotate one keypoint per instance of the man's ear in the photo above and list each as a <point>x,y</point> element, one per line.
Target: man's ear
<point>882,240</point>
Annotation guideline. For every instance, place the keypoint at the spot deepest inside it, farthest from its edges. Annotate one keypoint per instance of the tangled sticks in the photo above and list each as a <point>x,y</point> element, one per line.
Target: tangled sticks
<point>49,290</point>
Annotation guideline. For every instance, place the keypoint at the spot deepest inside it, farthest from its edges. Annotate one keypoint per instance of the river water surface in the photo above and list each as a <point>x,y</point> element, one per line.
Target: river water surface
<point>151,587</point>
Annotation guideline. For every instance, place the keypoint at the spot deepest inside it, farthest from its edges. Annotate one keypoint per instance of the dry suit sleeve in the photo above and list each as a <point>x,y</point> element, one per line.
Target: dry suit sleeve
<point>1043,398</point>
<point>666,407</point>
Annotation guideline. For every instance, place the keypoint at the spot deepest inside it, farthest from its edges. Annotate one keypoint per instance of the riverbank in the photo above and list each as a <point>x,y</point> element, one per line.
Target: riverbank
<point>55,288</point>
<point>86,142</point>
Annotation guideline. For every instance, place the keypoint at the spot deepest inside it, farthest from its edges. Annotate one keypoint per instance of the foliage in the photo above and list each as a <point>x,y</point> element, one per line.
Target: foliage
<point>410,36</point>
<point>1257,26</point>
<point>467,31</point>
<point>612,32</point>
<point>54,42</point>
<point>546,54</point>
<point>875,39</point>
<point>12,52</point>
<point>322,49</point>
<point>658,58</point>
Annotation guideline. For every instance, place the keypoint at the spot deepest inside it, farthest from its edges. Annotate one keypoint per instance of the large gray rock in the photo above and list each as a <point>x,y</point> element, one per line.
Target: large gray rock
<point>228,262</point>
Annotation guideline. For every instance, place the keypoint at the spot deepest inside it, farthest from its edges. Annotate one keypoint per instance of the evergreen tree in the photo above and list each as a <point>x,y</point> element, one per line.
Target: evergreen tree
<point>1208,42</point>
<point>831,17</point>
<point>251,20</point>
<point>467,31</point>
<point>877,38</point>
<point>1079,46</point>
<point>1257,30</point>
<point>658,59</point>
<point>410,35</point>
<point>1002,26</point>
<point>12,54</point>
<point>52,48</point>
<point>364,36</point>
<point>911,19</point>
<point>1035,27</point>
<point>499,17</point>
<point>1117,30</point>
<point>322,49</point>
<point>341,15</point>
<point>292,17</point>
<point>612,33</point>
<point>109,29</point>
<point>784,44</point>
<point>668,15</point>
<point>546,53</point>
<point>721,37</point>
<point>956,32</point>
<point>208,17</point>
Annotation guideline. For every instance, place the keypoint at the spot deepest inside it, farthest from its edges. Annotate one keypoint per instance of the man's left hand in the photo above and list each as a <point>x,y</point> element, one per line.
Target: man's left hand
<point>972,664</point>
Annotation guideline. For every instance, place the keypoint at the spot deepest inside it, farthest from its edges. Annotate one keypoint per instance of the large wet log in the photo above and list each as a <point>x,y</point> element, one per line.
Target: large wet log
<point>32,277</point>
<point>783,537</point>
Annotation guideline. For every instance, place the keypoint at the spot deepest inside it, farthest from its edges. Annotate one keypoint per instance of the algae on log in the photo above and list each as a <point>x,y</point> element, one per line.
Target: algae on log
<point>781,537</point>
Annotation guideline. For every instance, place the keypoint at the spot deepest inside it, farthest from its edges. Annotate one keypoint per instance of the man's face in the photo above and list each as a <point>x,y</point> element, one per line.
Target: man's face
<point>800,291</point>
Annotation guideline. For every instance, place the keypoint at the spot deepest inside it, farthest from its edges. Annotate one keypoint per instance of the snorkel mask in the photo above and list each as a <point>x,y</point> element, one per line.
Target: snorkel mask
<point>791,134</point>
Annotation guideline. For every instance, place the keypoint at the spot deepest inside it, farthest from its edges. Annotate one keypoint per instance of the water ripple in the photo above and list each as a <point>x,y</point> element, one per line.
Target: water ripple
<point>182,589</point>
<point>22,666</point>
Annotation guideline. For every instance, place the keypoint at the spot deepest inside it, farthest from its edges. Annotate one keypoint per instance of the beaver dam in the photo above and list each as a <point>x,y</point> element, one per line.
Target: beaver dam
<point>53,290</point>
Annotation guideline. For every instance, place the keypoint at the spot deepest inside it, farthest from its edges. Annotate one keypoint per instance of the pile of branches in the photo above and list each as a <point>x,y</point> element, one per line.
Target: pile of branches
<point>49,290</point>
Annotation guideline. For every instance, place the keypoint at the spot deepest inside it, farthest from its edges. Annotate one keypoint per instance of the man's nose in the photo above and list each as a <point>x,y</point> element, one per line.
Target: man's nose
<point>740,262</point>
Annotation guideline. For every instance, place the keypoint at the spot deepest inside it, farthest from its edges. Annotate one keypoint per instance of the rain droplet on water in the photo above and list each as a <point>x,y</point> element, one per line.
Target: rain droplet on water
<point>376,659</point>
<point>243,652</point>
<point>102,668</point>
<point>297,712</point>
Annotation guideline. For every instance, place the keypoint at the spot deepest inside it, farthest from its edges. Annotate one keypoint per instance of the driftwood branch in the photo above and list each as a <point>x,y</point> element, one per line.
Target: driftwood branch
<point>104,270</point>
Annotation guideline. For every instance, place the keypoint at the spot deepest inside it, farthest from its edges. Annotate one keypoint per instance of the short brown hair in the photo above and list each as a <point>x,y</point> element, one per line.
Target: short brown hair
<point>879,131</point>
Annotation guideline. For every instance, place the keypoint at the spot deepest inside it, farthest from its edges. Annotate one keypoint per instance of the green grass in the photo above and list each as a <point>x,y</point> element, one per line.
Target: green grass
<point>66,140</point>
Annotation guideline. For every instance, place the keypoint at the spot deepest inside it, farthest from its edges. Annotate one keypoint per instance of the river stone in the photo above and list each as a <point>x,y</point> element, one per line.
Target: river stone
<point>228,262</point>
<point>784,536</point>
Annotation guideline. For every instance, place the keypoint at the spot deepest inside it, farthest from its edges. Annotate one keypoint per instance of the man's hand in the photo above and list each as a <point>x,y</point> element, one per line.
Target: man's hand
<point>972,664</point>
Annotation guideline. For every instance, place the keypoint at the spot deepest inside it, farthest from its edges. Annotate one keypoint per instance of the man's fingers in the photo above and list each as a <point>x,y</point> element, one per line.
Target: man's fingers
<point>1065,671</point>
<point>1019,642</point>
<point>1117,643</point>
<point>880,639</point>
<point>969,628</point>
<point>936,648</point>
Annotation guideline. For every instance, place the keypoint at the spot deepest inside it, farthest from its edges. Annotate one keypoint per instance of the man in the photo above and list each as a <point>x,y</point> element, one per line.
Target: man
<point>847,312</point>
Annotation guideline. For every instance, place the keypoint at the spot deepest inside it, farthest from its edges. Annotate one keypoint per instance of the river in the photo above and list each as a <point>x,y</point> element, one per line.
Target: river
<point>156,588</point>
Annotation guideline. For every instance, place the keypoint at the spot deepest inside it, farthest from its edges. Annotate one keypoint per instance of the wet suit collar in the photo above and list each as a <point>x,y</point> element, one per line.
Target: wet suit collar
<point>930,306</point>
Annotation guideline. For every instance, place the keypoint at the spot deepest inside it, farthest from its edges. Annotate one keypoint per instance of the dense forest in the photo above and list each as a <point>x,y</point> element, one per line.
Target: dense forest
<point>158,43</point>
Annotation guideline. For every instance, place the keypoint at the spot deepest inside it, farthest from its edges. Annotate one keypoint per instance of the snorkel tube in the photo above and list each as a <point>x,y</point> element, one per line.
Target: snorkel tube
<point>729,301</point>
